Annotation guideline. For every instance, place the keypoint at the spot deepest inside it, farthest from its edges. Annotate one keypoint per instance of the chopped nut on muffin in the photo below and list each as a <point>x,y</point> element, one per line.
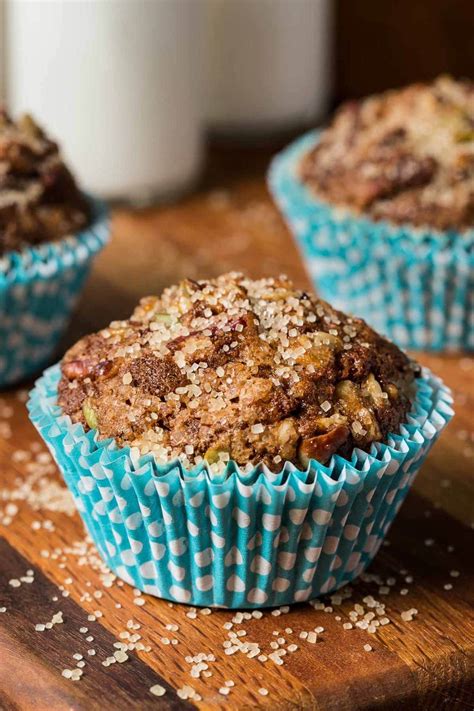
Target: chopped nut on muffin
<point>253,371</point>
<point>39,199</point>
<point>406,156</point>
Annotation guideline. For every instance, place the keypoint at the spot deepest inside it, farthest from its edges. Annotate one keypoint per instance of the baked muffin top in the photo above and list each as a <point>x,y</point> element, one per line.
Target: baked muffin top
<point>39,199</point>
<point>231,368</point>
<point>406,156</point>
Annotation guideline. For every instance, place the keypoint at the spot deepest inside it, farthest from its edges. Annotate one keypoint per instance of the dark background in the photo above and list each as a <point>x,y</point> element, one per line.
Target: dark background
<point>382,44</point>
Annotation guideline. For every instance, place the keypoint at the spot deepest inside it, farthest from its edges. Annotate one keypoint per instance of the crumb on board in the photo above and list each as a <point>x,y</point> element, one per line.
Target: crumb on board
<point>157,690</point>
<point>57,619</point>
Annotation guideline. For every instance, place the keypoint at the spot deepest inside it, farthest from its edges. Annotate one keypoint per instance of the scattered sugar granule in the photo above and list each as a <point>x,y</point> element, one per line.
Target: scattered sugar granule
<point>57,619</point>
<point>121,656</point>
<point>187,692</point>
<point>263,692</point>
<point>408,615</point>
<point>157,690</point>
<point>367,648</point>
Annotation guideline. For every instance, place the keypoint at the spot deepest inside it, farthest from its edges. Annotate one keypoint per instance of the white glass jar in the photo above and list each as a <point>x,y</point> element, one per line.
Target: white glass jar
<point>117,82</point>
<point>268,64</point>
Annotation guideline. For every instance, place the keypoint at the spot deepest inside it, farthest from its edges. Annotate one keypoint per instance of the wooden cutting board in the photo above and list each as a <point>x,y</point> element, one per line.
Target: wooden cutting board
<point>47,566</point>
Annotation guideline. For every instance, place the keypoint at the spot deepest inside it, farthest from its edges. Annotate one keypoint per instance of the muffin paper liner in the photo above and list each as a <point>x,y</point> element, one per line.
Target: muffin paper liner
<point>238,540</point>
<point>414,285</point>
<point>39,287</point>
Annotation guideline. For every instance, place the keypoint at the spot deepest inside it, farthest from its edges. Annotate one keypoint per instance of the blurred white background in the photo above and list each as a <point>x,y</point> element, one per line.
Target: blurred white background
<point>268,64</point>
<point>117,82</point>
<point>129,86</point>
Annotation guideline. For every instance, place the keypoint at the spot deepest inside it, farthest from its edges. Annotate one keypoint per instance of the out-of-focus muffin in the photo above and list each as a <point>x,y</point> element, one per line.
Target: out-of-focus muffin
<point>39,198</point>
<point>381,203</point>
<point>406,156</point>
<point>49,233</point>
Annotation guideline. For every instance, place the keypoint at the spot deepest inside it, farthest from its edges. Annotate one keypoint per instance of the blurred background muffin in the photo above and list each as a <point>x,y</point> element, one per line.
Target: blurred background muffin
<point>405,156</point>
<point>382,205</point>
<point>49,232</point>
<point>40,201</point>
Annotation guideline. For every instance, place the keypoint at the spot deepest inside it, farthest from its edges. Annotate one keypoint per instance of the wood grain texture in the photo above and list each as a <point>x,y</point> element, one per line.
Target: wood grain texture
<point>427,663</point>
<point>36,656</point>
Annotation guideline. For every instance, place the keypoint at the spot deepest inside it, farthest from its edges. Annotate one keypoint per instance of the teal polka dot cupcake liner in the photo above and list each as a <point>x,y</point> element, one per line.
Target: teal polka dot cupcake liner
<point>238,540</point>
<point>414,285</point>
<point>39,287</point>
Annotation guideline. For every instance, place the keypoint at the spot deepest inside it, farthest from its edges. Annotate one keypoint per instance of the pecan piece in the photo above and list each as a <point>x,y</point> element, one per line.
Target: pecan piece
<point>323,446</point>
<point>78,369</point>
<point>105,368</point>
<point>87,368</point>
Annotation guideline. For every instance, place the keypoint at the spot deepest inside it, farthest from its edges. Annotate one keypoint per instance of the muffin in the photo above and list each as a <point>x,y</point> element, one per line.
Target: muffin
<point>405,156</point>
<point>382,204</point>
<point>40,201</point>
<point>238,442</point>
<point>49,232</point>
<point>252,371</point>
